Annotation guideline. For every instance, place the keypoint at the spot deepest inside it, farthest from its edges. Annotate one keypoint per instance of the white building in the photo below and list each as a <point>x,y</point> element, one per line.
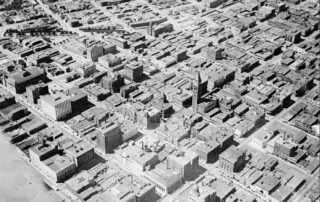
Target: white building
<point>56,106</point>
<point>86,69</point>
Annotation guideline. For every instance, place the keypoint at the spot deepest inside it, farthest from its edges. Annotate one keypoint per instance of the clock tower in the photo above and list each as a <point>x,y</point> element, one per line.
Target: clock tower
<point>196,89</point>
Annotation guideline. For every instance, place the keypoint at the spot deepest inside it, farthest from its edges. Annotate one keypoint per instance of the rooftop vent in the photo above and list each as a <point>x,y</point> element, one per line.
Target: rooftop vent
<point>26,73</point>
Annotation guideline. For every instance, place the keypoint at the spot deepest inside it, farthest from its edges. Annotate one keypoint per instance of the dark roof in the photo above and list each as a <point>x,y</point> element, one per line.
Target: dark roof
<point>25,75</point>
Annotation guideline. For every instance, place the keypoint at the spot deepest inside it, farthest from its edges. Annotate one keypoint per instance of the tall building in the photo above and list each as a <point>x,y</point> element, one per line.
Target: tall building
<point>109,138</point>
<point>113,83</point>
<point>293,35</point>
<point>232,160</point>
<point>208,151</point>
<point>109,49</point>
<point>78,99</point>
<point>284,148</point>
<point>56,106</point>
<point>196,88</point>
<point>184,161</point>
<point>81,152</point>
<point>160,102</point>
<point>213,3</point>
<point>34,92</point>
<point>58,168</point>
<point>213,53</point>
<point>95,52</point>
<point>127,89</point>
<point>133,72</point>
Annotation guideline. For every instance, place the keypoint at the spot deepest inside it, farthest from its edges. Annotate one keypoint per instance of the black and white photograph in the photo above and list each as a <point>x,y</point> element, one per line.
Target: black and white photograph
<point>159,100</point>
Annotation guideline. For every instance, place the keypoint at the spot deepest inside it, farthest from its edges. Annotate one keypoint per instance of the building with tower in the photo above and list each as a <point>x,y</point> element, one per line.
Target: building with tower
<point>202,194</point>
<point>197,89</point>
<point>160,103</point>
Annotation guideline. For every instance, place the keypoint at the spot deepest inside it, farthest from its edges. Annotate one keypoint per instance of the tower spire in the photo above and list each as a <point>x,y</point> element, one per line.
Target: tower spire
<point>196,92</point>
<point>198,78</point>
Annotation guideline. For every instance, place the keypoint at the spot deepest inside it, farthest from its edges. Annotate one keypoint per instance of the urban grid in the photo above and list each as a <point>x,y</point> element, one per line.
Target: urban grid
<point>162,100</point>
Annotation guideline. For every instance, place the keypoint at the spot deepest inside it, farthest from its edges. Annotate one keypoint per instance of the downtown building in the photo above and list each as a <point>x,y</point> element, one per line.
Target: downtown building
<point>57,106</point>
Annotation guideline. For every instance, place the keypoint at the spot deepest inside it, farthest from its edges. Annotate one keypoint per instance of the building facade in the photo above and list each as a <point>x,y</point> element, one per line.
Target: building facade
<point>232,160</point>
<point>109,138</point>
<point>57,106</point>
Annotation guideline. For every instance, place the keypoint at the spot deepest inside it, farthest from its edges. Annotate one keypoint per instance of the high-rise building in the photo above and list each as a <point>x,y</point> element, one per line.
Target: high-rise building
<point>213,53</point>
<point>96,52</point>
<point>78,99</point>
<point>81,152</point>
<point>109,138</point>
<point>213,3</point>
<point>196,88</point>
<point>184,161</point>
<point>284,148</point>
<point>133,72</point>
<point>56,106</point>
<point>113,83</point>
<point>293,36</point>
<point>208,151</point>
<point>232,160</point>
<point>111,48</point>
<point>58,168</point>
<point>34,92</point>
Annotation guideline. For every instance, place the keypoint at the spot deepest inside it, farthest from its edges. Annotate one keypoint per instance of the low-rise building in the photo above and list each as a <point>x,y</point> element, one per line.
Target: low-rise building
<point>165,179</point>
<point>58,168</point>
<point>81,152</point>
<point>19,80</point>
<point>136,158</point>
<point>86,69</point>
